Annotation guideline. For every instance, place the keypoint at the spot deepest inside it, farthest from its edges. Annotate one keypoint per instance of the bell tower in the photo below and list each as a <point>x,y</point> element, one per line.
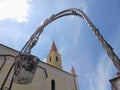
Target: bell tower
<point>54,58</point>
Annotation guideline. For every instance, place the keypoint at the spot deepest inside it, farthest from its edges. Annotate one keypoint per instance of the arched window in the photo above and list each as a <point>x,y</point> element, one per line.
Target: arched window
<point>52,85</point>
<point>50,58</point>
<point>57,58</point>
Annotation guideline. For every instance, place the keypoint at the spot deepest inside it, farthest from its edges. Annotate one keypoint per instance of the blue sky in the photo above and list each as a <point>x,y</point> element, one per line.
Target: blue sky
<point>74,39</point>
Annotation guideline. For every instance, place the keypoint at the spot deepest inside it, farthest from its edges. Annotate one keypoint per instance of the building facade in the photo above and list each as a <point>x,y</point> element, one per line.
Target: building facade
<point>49,75</point>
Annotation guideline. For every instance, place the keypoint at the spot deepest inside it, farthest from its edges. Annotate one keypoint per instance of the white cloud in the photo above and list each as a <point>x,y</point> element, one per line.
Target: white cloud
<point>78,33</point>
<point>83,7</point>
<point>100,79</point>
<point>14,9</point>
<point>90,80</point>
<point>78,22</point>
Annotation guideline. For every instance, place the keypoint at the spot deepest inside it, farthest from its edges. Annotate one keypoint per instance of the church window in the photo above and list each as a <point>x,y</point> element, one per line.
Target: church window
<point>50,59</point>
<point>57,58</point>
<point>52,85</point>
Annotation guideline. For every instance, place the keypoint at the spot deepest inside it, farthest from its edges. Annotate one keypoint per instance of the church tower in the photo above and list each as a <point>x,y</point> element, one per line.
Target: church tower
<point>54,58</point>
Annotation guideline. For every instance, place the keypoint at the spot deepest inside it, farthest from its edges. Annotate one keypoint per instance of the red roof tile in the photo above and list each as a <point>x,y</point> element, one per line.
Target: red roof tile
<point>53,47</point>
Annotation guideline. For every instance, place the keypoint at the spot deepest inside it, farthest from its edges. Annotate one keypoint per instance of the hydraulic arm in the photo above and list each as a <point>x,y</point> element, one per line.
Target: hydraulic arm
<point>73,11</point>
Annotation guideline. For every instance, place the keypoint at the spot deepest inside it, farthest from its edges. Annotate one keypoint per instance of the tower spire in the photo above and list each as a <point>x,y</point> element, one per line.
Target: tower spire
<point>73,72</point>
<point>53,48</point>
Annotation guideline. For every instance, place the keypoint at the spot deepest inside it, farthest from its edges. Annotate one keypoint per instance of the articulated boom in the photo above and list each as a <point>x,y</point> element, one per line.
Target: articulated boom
<point>34,38</point>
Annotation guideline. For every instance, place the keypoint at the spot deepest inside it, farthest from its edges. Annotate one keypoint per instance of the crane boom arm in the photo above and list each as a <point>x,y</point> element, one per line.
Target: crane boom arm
<point>73,11</point>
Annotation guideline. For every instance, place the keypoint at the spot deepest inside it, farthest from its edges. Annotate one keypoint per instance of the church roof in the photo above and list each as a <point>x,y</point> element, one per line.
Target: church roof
<point>53,47</point>
<point>8,47</point>
<point>5,50</point>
